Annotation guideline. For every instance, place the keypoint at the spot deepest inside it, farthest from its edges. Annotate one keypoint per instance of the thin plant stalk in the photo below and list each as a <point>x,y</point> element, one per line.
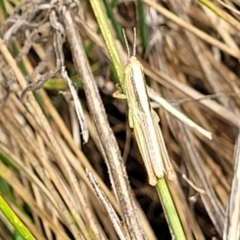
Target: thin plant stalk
<point>14,220</point>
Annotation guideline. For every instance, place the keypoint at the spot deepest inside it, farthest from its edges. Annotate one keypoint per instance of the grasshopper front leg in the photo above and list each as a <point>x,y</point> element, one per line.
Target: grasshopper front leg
<point>119,93</point>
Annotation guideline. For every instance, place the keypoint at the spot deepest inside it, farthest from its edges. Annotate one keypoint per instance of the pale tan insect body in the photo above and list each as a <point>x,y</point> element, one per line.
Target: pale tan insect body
<point>144,122</point>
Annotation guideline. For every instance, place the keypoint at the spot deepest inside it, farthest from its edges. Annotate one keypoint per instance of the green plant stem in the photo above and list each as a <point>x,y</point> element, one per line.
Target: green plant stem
<point>142,26</point>
<point>115,24</point>
<point>109,41</point>
<point>170,210</point>
<point>13,218</point>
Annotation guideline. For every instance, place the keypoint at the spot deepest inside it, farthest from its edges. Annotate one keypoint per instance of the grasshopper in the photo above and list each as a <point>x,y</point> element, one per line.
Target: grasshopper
<point>144,120</point>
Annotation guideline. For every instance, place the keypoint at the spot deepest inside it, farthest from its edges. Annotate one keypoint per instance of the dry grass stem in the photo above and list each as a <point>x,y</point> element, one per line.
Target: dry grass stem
<point>58,118</point>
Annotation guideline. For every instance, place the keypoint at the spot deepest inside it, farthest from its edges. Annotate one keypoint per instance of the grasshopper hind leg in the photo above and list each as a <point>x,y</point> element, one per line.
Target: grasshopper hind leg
<point>145,156</point>
<point>166,161</point>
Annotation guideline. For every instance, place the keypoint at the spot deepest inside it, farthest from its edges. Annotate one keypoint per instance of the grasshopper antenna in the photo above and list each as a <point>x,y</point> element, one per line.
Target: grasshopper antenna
<point>134,41</point>
<point>126,42</point>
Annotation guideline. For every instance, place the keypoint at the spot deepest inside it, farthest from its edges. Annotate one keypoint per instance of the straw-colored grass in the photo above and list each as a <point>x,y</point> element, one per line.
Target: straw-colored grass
<point>190,53</point>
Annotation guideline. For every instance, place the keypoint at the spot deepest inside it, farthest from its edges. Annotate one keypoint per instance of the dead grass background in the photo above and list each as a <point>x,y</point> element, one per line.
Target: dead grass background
<point>191,58</point>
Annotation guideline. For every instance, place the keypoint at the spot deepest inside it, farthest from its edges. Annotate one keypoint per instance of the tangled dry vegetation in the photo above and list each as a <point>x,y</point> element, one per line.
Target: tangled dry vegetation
<point>190,53</point>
